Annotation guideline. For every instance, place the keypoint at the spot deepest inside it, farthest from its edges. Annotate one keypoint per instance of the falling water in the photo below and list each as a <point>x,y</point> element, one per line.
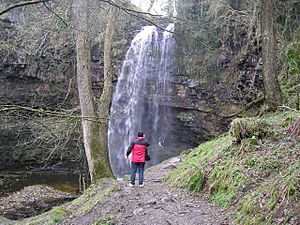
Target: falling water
<point>143,84</point>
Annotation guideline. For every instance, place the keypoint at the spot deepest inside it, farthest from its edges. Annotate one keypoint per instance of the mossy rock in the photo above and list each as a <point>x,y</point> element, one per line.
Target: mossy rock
<point>243,128</point>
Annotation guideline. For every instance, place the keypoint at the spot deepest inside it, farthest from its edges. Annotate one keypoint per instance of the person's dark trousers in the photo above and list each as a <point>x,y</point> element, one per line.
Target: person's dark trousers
<point>137,167</point>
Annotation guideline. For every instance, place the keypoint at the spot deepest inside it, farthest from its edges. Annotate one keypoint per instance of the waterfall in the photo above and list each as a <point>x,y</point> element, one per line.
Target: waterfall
<point>144,83</point>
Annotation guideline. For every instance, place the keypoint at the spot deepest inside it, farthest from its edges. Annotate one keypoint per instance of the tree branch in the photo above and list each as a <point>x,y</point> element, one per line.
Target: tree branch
<point>32,2</point>
<point>136,13</point>
<point>128,9</point>
<point>49,113</point>
<point>58,16</point>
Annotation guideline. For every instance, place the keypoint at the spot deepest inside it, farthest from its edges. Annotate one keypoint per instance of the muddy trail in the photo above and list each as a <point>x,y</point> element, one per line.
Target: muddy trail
<point>155,203</point>
<point>114,202</point>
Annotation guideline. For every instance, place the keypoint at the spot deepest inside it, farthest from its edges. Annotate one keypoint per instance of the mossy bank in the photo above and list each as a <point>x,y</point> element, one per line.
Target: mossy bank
<point>254,170</point>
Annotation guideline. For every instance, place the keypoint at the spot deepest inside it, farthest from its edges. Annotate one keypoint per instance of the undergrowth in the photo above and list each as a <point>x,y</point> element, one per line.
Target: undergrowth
<point>254,170</point>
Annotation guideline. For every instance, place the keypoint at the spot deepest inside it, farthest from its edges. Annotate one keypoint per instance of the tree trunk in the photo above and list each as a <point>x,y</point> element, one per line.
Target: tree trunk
<point>107,92</point>
<point>272,89</point>
<point>96,156</point>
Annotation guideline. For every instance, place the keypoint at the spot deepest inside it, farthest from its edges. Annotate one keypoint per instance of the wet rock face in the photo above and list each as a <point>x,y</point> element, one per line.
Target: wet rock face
<point>250,83</point>
<point>27,78</point>
<point>193,117</point>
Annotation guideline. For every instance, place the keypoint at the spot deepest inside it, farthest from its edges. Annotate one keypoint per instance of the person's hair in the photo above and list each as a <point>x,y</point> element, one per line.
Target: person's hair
<point>140,134</point>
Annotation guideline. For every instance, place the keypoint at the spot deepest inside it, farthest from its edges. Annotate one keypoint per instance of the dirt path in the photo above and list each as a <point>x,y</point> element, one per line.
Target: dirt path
<point>153,204</point>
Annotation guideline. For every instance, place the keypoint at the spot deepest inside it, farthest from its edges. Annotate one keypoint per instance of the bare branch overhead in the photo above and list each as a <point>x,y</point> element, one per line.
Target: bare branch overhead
<point>32,2</point>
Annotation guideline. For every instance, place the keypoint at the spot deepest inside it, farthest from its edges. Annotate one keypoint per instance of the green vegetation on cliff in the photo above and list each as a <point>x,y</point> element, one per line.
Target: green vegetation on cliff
<point>254,170</point>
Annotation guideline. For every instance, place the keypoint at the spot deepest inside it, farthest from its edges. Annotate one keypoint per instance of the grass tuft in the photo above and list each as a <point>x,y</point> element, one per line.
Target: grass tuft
<point>226,180</point>
<point>242,128</point>
<point>58,215</point>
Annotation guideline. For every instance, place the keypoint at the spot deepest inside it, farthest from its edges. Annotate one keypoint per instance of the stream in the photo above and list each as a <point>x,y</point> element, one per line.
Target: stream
<point>15,181</point>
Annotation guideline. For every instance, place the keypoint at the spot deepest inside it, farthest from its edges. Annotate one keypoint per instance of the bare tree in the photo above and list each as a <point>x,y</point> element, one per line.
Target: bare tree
<point>107,92</point>
<point>272,89</point>
<point>97,157</point>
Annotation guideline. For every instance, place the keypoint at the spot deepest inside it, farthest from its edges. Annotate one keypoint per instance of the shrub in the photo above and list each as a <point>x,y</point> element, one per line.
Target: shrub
<point>242,128</point>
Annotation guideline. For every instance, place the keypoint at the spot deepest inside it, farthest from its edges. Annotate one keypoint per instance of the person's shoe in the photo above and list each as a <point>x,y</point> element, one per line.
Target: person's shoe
<point>131,185</point>
<point>141,185</point>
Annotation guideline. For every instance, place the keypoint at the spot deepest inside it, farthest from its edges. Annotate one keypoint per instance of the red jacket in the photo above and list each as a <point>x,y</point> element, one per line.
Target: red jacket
<point>138,148</point>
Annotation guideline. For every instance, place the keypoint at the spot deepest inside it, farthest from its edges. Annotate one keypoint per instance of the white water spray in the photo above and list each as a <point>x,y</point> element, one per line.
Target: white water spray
<point>145,78</point>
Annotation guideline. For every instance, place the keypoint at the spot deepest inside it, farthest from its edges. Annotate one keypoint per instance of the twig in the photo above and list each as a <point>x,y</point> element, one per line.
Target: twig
<point>58,16</point>
<point>69,90</point>
<point>22,4</point>
<point>131,12</point>
<point>128,9</point>
<point>48,112</point>
<point>61,19</point>
<point>289,108</point>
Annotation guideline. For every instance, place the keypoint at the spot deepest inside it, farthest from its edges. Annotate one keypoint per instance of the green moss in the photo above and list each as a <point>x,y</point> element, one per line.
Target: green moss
<point>246,212</point>
<point>294,168</point>
<point>196,162</point>
<point>280,117</point>
<point>196,182</point>
<point>101,164</point>
<point>269,164</point>
<point>226,180</point>
<point>185,152</point>
<point>261,206</point>
<point>58,215</point>
<point>250,162</point>
<point>89,193</point>
<point>231,151</point>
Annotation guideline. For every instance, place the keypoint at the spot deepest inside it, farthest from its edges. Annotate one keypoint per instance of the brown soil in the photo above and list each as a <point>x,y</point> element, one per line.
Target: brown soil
<point>155,203</point>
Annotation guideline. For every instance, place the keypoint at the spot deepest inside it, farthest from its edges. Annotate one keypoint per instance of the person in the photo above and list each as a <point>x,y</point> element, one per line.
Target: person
<point>138,148</point>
